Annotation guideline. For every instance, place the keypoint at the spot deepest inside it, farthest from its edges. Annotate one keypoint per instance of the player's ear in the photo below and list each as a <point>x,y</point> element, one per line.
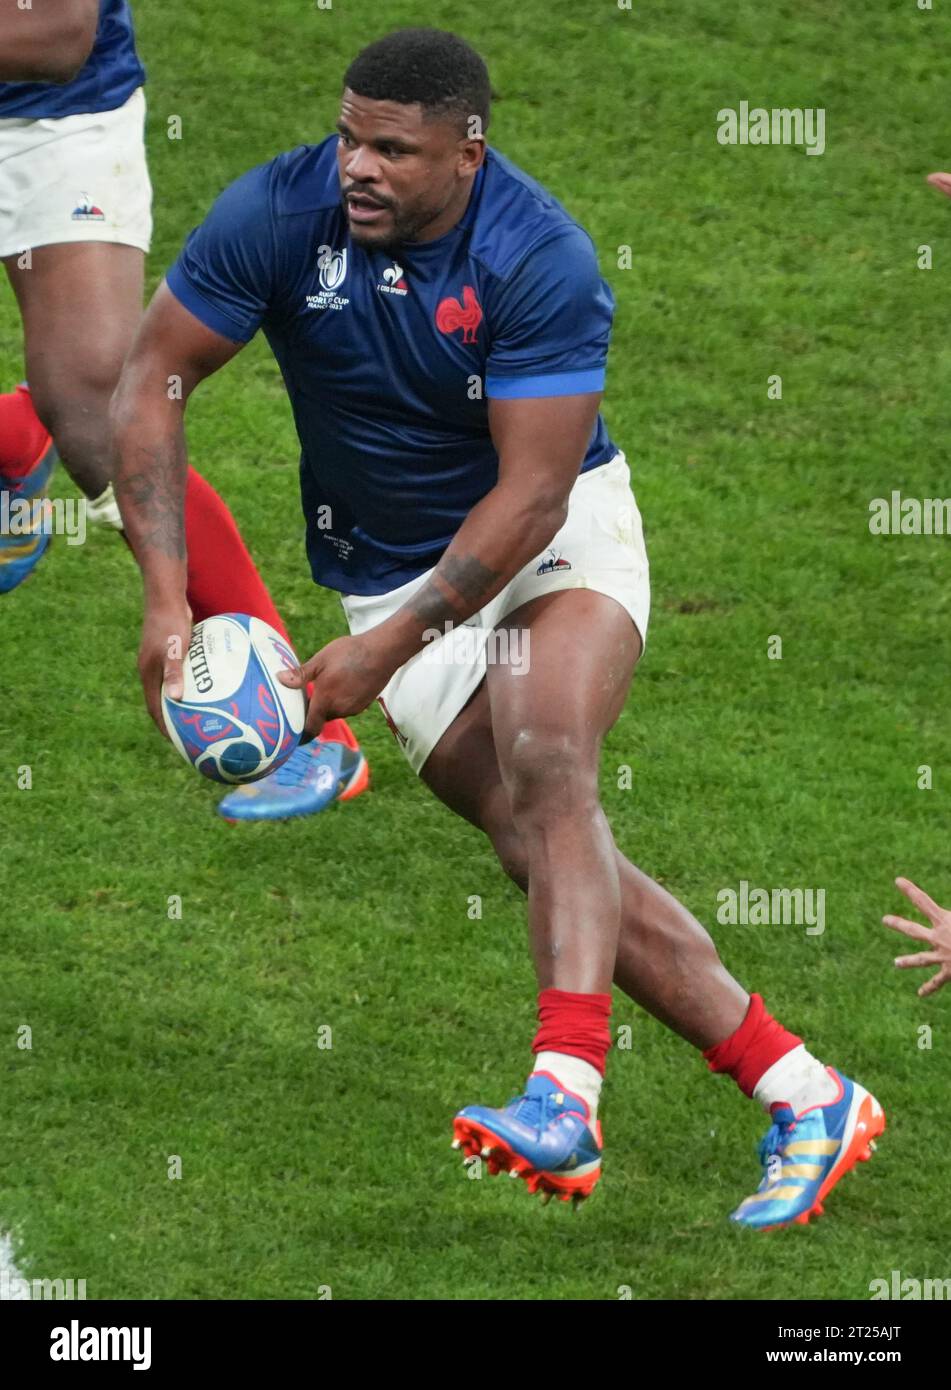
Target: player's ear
<point>471,154</point>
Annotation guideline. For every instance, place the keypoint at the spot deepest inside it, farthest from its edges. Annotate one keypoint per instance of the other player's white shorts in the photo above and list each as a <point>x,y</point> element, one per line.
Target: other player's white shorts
<point>75,178</point>
<point>600,547</point>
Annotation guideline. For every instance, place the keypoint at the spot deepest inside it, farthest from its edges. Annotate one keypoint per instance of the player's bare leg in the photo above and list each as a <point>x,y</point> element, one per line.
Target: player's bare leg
<point>547,726</point>
<point>666,961</point>
<point>668,964</point>
<point>81,303</point>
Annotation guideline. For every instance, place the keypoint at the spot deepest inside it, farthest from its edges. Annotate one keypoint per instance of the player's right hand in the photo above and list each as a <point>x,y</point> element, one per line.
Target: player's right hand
<point>166,633</point>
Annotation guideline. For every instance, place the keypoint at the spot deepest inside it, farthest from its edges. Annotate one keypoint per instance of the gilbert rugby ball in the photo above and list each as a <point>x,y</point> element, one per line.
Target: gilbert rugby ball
<point>235,721</point>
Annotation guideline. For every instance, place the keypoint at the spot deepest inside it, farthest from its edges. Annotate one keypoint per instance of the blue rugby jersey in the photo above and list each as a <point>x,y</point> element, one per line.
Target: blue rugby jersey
<point>389,363</point>
<point>110,75</point>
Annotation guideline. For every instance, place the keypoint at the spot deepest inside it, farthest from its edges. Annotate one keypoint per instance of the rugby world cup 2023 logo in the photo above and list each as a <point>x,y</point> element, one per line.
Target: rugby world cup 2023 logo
<point>332,267</point>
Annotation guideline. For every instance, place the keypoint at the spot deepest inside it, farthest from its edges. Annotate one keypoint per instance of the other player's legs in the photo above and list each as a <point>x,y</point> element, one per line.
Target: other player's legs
<point>80,303</point>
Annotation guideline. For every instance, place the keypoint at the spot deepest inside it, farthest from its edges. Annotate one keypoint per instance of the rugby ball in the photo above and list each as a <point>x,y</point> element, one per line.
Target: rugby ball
<point>235,721</point>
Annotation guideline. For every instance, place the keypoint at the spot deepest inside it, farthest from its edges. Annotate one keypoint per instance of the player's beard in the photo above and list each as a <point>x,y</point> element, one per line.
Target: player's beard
<point>405,229</point>
<point>390,245</point>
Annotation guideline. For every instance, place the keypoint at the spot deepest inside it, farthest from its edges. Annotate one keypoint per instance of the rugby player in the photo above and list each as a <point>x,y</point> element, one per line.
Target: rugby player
<point>75,195</point>
<point>442,328</point>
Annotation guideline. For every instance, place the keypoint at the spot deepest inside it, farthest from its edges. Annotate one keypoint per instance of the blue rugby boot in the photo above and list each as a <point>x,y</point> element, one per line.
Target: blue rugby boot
<point>24,539</point>
<point>804,1156</point>
<point>316,774</point>
<point>542,1136</point>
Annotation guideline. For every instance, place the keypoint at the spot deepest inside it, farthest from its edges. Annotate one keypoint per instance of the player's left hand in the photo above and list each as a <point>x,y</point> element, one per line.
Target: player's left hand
<point>938,937</point>
<point>348,674</point>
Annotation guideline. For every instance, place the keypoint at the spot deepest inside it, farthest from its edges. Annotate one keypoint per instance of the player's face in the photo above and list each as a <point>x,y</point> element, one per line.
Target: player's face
<point>402,178</point>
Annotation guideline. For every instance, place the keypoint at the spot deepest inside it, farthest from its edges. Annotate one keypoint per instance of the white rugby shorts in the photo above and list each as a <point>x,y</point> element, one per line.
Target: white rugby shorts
<point>75,178</point>
<point>600,547</point>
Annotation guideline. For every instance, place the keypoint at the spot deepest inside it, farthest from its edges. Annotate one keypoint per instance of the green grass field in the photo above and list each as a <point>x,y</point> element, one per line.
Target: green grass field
<point>303,1167</point>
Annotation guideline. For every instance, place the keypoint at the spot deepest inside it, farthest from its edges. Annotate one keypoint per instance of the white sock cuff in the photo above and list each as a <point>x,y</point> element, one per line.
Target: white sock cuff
<point>576,1075</point>
<point>104,510</point>
<point>798,1079</point>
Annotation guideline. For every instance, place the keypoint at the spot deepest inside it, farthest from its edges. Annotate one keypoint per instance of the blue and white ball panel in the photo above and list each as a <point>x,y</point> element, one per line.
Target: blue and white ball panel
<point>235,721</point>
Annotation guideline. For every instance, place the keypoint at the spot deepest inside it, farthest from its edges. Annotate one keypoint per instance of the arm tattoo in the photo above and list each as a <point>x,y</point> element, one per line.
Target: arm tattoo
<point>155,495</point>
<point>467,577</point>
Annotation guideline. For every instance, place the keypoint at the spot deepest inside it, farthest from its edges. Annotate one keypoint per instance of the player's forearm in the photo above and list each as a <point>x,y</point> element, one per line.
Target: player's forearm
<point>507,528</point>
<point>150,477</point>
<point>47,42</point>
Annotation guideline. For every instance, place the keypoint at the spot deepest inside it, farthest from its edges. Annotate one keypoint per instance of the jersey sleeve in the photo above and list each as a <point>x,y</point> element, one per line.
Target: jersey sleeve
<point>552,324</point>
<point>227,270</point>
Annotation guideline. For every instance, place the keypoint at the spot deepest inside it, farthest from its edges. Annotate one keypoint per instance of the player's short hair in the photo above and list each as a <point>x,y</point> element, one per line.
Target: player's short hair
<point>430,66</point>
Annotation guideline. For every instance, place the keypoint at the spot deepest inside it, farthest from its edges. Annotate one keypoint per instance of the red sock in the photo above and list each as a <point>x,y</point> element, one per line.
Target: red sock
<point>23,438</point>
<point>222,577</point>
<point>748,1054</point>
<point>339,731</point>
<point>578,1024</point>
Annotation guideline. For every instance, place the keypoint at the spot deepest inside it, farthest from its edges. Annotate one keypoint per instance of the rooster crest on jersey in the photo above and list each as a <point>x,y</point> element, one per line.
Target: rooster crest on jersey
<point>451,315</point>
<point>235,721</point>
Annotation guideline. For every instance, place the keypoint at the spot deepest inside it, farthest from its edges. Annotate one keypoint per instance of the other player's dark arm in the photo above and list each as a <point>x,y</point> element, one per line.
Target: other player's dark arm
<point>48,42</point>
<point>541,445</point>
